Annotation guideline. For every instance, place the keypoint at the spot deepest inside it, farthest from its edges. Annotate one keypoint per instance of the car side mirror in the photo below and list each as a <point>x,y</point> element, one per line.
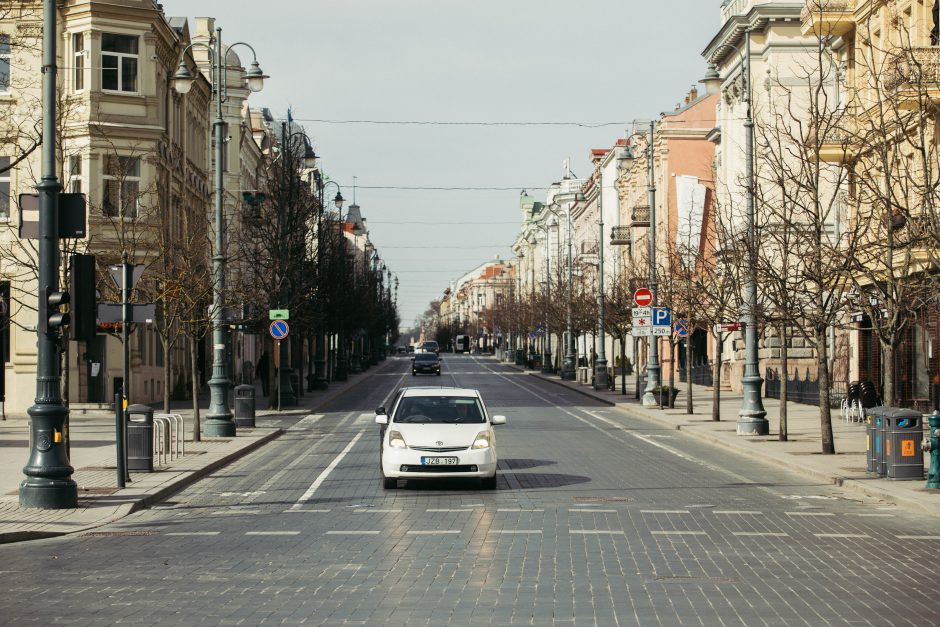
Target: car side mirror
<point>381,419</point>
<point>498,420</point>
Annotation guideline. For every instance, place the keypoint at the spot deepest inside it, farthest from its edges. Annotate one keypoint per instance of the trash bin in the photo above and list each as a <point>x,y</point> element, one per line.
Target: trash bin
<point>245,406</point>
<point>139,438</point>
<point>520,356</point>
<point>873,438</point>
<point>904,433</point>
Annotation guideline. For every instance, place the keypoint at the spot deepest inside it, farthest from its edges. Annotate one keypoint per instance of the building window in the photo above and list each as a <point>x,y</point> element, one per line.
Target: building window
<point>119,62</point>
<point>78,64</point>
<point>75,174</point>
<point>5,64</point>
<point>4,188</point>
<point>122,187</point>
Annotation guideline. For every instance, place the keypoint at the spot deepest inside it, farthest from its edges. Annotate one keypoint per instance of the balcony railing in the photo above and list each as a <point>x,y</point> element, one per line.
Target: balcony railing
<point>620,236</point>
<point>918,68</point>
<point>641,215</point>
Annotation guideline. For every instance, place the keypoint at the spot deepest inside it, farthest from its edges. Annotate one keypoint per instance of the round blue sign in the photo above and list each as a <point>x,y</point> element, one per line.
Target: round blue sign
<point>279,329</point>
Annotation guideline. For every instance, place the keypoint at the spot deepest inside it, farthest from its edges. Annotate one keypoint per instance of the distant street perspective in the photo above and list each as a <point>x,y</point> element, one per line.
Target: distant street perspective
<point>403,312</point>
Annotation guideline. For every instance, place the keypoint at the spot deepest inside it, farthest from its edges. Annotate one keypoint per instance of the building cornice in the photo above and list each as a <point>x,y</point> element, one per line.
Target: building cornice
<point>731,34</point>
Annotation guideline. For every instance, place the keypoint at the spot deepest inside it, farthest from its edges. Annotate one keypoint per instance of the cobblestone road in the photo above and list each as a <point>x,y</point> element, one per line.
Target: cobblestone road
<point>598,519</point>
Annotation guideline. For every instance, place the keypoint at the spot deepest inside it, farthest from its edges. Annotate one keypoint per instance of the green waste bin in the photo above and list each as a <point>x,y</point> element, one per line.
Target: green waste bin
<point>903,454</point>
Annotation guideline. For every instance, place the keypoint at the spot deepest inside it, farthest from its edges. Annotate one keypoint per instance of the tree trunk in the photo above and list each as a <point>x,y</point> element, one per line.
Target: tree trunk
<point>670,400</point>
<point>193,364</point>
<point>623,364</point>
<point>887,374</point>
<point>825,414</point>
<point>688,373</point>
<point>716,380</point>
<point>167,373</point>
<point>785,367</point>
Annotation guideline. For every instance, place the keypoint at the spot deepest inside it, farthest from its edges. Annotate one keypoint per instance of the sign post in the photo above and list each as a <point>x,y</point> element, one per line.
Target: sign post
<point>279,329</point>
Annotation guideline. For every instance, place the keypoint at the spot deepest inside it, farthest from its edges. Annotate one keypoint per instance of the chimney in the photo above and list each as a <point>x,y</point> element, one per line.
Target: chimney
<point>693,94</point>
<point>205,26</point>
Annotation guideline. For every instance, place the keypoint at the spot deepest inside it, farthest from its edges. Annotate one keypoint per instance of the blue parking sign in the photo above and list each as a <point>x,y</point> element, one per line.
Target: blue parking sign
<point>662,317</point>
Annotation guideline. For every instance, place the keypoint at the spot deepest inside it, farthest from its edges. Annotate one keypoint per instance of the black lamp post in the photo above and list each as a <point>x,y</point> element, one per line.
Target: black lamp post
<point>320,381</point>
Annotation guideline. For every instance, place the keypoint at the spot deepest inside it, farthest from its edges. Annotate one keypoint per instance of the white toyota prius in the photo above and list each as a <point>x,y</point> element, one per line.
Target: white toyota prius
<point>438,433</point>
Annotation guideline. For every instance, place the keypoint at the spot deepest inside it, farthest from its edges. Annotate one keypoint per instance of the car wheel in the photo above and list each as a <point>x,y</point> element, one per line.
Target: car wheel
<point>389,483</point>
<point>488,483</point>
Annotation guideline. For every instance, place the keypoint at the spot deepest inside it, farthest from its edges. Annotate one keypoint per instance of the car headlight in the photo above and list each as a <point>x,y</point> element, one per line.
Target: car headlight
<point>483,440</point>
<point>395,440</point>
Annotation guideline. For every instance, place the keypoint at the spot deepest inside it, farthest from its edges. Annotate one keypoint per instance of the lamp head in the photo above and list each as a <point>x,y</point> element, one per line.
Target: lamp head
<point>310,158</point>
<point>255,77</point>
<point>339,200</point>
<point>183,79</point>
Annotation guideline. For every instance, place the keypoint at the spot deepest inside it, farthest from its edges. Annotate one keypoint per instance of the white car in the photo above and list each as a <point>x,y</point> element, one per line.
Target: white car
<point>438,433</point>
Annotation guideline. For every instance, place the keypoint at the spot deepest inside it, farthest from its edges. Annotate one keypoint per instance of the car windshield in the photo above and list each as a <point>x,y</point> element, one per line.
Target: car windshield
<point>439,409</point>
<point>426,357</point>
<point>430,345</point>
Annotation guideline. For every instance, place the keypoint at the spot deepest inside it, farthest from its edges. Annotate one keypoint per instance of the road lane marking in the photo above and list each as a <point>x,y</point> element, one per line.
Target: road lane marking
<point>306,422</point>
<point>235,512</point>
<point>595,532</point>
<point>194,533</point>
<point>512,531</point>
<point>447,510</point>
<point>664,511</point>
<point>594,511</point>
<point>841,535</point>
<point>272,533</point>
<point>326,473</point>
<point>516,509</point>
<point>376,511</point>
<point>307,511</point>
<point>680,533</point>
<point>760,534</point>
<point>874,515</point>
<point>433,532</point>
<point>809,514</point>
<point>353,533</point>
<point>742,512</point>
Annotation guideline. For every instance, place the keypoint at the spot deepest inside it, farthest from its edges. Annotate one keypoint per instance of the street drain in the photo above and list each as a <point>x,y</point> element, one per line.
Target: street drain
<point>120,534</point>
<point>602,499</point>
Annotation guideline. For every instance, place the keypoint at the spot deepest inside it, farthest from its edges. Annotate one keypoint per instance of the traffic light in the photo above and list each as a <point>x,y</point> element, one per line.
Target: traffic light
<point>84,306</point>
<point>50,317</point>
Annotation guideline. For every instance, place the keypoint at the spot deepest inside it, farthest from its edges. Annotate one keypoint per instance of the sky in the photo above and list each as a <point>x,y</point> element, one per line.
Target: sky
<point>432,61</point>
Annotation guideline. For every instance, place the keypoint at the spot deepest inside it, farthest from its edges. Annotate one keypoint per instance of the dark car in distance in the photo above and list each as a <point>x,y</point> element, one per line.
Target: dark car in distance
<point>431,347</point>
<point>426,363</point>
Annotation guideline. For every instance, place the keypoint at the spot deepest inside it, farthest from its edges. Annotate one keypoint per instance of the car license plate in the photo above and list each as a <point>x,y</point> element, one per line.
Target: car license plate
<point>439,461</point>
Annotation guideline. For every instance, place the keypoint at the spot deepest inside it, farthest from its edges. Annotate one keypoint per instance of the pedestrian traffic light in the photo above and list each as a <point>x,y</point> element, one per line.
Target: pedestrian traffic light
<point>84,305</point>
<point>50,317</point>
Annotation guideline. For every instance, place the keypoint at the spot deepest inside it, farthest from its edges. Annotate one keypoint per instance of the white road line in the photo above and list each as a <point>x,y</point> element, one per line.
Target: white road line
<point>448,510</point>
<point>510,509</point>
<point>809,513</point>
<point>326,472</point>
<point>740,512</point>
<point>917,537</point>
<point>664,511</point>
<point>841,535</point>
<point>594,511</point>
<point>307,511</point>
<point>760,534</point>
<point>595,532</point>
<point>366,510</point>
<point>235,512</point>
<point>353,533</point>
<point>679,533</point>
<point>272,533</point>
<point>305,422</point>
<point>433,532</point>
<point>194,533</point>
<point>874,515</point>
<point>512,531</point>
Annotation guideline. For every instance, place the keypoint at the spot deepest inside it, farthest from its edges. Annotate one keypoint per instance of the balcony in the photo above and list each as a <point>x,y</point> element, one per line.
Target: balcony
<point>914,76</point>
<point>641,215</point>
<point>621,236</point>
<point>828,18</point>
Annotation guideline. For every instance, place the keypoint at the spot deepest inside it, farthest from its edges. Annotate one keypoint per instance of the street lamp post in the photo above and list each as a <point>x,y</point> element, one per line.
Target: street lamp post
<point>547,353</point>
<point>600,367</point>
<point>320,381</point>
<point>219,421</point>
<point>653,370</point>
<point>752,418</point>
<point>48,483</point>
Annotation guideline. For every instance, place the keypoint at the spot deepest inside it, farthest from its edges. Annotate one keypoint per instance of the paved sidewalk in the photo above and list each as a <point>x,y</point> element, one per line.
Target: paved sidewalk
<point>93,457</point>
<point>800,453</point>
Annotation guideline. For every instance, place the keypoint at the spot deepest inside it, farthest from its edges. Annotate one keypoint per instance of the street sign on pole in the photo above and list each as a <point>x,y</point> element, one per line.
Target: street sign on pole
<point>279,329</point>
<point>682,328</point>
<point>662,317</point>
<point>278,314</point>
<point>730,326</point>
<point>643,297</point>
<point>641,331</point>
<point>661,331</point>
<point>117,275</point>
<point>641,312</point>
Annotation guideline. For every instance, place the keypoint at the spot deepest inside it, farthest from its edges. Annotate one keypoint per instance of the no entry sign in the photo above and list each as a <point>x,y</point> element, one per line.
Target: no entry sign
<point>643,297</point>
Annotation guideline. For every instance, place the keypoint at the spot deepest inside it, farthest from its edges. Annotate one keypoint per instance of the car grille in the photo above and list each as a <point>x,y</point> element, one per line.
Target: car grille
<point>438,469</point>
<point>439,449</point>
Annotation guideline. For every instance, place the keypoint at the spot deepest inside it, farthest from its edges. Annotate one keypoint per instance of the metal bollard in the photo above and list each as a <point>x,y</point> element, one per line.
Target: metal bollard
<point>932,444</point>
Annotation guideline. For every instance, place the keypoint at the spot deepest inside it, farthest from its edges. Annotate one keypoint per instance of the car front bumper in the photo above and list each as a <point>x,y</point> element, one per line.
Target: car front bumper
<point>406,464</point>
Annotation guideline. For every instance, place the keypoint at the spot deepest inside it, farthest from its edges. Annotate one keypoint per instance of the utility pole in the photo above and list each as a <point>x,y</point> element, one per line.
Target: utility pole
<point>48,483</point>
<point>600,368</point>
<point>752,419</point>
<point>653,369</point>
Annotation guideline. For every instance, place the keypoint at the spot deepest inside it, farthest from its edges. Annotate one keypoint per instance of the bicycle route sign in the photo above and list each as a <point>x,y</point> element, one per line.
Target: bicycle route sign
<point>279,329</point>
